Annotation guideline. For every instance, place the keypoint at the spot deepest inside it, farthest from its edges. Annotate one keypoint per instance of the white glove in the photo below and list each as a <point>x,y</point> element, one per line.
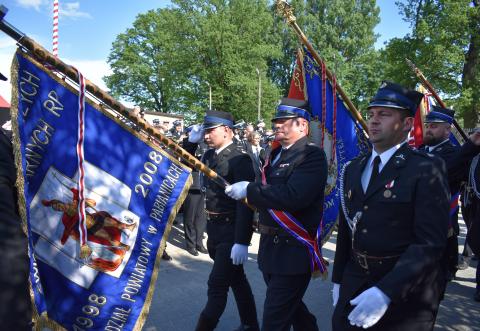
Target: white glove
<point>237,191</point>
<point>239,254</point>
<point>335,293</point>
<point>371,305</point>
<point>196,134</point>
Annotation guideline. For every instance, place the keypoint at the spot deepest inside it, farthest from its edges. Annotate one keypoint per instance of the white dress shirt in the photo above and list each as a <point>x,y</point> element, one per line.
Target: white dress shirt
<point>384,157</point>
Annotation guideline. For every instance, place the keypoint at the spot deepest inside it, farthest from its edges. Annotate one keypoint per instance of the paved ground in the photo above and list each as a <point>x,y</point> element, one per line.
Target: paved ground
<point>181,292</point>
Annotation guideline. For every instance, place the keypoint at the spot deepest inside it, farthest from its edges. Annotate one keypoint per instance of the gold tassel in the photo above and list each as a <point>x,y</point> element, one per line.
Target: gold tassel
<point>85,251</point>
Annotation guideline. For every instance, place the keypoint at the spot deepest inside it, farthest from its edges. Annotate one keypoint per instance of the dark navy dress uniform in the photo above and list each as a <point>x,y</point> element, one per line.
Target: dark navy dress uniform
<point>194,205</point>
<point>15,305</point>
<point>295,183</point>
<point>457,160</point>
<point>399,237</point>
<point>228,222</point>
<point>398,242</point>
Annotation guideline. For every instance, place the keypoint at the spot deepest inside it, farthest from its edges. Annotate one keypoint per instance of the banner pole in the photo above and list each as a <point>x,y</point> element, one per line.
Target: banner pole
<point>285,9</point>
<point>429,86</point>
<point>44,56</point>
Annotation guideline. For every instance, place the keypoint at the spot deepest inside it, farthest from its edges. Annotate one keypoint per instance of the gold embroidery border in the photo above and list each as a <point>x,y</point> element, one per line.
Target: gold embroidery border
<point>43,321</point>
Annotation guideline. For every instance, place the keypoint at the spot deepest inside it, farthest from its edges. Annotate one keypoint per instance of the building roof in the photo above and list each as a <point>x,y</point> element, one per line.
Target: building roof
<point>4,103</point>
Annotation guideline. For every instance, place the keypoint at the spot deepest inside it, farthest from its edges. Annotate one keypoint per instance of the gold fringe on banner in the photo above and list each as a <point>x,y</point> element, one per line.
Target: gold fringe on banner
<point>43,321</point>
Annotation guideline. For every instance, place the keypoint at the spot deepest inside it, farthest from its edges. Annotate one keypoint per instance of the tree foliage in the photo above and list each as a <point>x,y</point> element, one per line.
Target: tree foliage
<point>342,32</point>
<point>166,59</point>
<point>443,33</point>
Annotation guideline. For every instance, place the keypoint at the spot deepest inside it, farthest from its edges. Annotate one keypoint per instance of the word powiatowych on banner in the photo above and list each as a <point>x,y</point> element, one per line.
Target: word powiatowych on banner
<point>131,191</point>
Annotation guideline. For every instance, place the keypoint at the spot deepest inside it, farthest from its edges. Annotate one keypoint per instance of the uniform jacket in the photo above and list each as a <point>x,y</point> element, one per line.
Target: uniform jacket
<point>295,184</point>
<point>234,166</point>
<point>257,162</point>
<point>457,160</point>
<point>471,206</point>
<point>197,150</point>
<point>15,313</point>
<point>405,213</point>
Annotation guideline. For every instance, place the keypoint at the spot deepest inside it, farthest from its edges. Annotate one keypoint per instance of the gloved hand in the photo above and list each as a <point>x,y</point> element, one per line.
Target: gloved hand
<point>237,191</point>
<point>196,134</point>
<point>239,254</point>
<point>371,305</point>
<point>335,293</point>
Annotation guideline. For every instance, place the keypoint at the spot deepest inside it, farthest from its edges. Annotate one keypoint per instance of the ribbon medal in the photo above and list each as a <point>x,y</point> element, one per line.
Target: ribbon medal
<point>388,193</point>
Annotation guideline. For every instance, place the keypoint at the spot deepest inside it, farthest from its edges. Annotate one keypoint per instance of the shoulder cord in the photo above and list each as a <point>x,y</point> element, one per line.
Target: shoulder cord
<point>472,178</point>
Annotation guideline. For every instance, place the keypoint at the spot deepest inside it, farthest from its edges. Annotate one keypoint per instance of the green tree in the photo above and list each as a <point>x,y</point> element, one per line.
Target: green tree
<point>342,32</point>
<point>444,44</point>
<point>165,60</point>
<point>145,64</point>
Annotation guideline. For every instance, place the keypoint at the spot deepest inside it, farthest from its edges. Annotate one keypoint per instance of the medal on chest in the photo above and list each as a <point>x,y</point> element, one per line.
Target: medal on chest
<point>388,193</point>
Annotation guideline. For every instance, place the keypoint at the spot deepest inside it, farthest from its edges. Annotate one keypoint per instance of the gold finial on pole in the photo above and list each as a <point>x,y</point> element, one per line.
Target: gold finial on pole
<point>286,10</point>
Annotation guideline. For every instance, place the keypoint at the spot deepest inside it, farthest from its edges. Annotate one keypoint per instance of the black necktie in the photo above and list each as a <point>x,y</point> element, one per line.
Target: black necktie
<point>376,163</point>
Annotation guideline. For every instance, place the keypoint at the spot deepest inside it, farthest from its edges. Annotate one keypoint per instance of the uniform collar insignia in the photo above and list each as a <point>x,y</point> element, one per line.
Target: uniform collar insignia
<point>399,160</point>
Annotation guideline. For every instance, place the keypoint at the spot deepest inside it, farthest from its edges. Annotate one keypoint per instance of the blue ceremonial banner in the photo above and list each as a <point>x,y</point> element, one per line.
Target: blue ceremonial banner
<point>132,190</point>
<point>333,128</point>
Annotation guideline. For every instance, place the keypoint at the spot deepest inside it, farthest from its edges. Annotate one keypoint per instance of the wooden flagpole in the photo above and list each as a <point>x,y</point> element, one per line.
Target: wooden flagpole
<point>285,9</point>
<point>45,57</point>
<point>442,104</point>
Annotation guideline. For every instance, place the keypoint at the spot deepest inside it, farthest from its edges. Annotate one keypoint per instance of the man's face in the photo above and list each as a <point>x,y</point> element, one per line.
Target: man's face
<point>387,127</point>
<point>256,140</point>
<point>248,129</point>
<point>435,133</point>
<point>289,130</point>
<point>217,137</point>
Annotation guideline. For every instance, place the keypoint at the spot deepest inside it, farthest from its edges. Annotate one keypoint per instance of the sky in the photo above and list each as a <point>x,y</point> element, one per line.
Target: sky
<point>87,29</point>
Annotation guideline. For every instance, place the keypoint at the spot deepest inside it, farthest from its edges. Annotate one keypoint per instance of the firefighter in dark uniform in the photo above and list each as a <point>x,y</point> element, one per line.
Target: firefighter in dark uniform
<point>194,205</point>
<point>437,142</point>
<point>471,208</point>
<point>176,132</point>
<point>393,226</point>
<point>229,225</point>
<point>15,305</point>
<point>295,180</point>
<point>473,212</point>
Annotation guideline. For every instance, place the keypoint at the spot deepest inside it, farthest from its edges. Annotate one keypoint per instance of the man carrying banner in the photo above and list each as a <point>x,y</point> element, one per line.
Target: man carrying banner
<point>437,142</point>
<point>393,226</point>
<point>290,205</point>
<point>229,226</point>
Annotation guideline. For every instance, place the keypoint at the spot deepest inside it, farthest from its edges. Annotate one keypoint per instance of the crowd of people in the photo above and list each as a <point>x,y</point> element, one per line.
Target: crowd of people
<point>397,242</point>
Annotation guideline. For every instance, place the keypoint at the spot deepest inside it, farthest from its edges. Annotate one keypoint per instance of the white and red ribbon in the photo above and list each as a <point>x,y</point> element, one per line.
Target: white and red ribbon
<point>55,28</point>
<point>80,156</point>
